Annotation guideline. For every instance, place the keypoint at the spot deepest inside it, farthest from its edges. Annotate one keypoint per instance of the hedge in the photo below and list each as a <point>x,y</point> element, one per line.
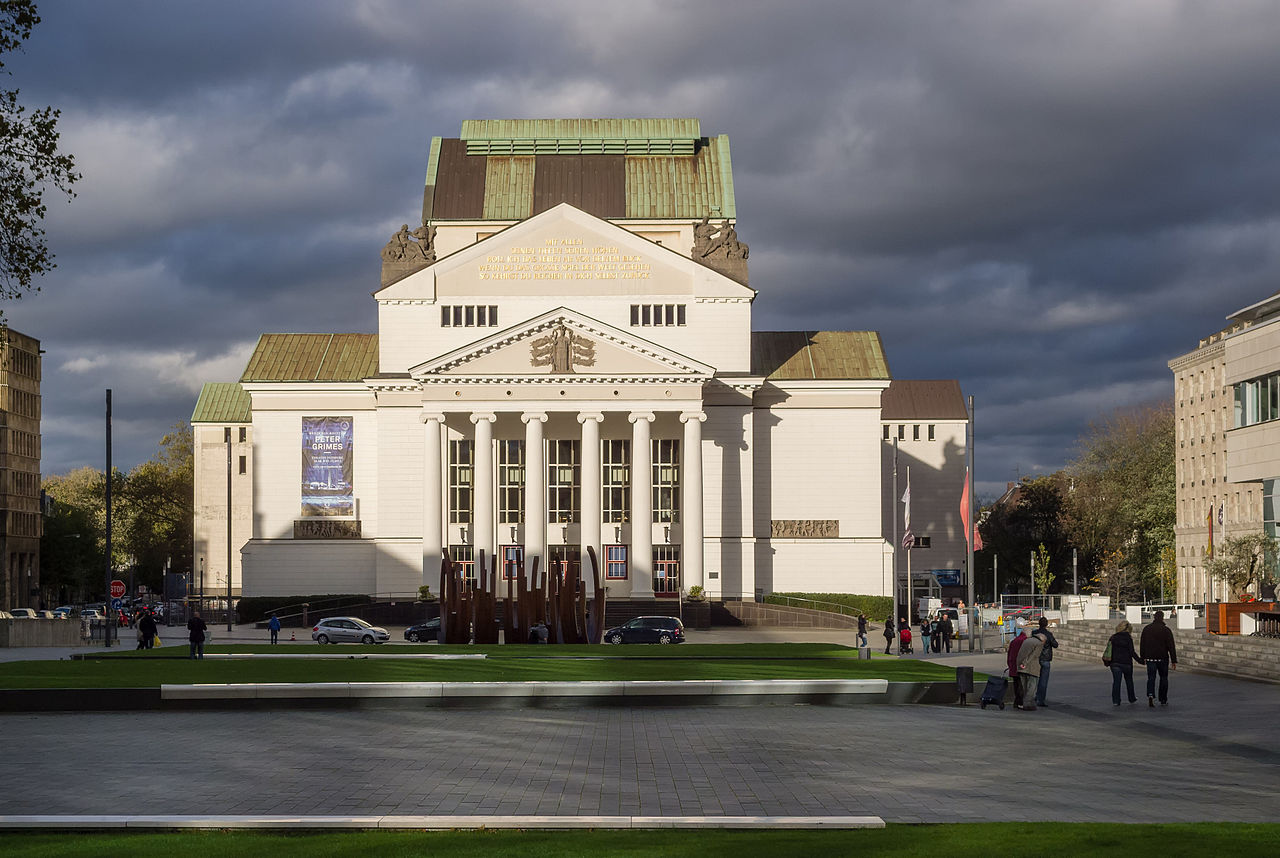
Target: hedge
<point>253,609</point>
<point>875,607</point>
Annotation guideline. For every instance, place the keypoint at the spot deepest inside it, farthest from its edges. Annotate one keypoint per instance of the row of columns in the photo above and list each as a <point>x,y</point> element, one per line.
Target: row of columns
<point>535,493</point>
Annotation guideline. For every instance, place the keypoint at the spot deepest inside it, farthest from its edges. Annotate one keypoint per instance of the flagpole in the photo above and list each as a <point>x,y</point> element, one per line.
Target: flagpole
<point>973,608</point>
<point>906,530</point>
<point>893,584</point>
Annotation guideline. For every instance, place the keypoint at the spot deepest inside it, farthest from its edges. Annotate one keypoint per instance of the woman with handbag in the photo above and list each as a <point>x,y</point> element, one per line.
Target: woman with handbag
<point>1120,656</point>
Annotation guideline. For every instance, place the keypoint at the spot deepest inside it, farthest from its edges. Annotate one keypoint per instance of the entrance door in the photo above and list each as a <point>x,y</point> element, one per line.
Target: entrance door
<point>666,571</point>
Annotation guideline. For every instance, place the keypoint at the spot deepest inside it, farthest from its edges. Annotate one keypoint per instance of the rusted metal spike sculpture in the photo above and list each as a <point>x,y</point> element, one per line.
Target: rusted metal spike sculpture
<point>595,619</point>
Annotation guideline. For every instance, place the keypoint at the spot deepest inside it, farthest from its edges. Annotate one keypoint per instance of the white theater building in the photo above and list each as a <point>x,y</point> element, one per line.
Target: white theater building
<point>564,358</point>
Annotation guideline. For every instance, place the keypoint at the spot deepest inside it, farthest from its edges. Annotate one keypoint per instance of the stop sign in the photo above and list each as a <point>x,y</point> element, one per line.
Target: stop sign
<point>117,589</point>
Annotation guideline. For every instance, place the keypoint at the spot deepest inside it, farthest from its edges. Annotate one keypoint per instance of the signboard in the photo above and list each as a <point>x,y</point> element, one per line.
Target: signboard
<point>946,577</point>
<point>327,486</point>
<point>117,589</point>
<point>117,604</point>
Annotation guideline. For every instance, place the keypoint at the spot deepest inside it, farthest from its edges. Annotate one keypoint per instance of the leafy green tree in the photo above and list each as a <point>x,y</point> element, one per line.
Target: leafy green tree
<point>1121,494</point>
<point>1241,561</point>
<point>29,163</point>
<point>1044,578</point>
<point>1015,526</point>
<point>158,503</point>
<point>73,546</point>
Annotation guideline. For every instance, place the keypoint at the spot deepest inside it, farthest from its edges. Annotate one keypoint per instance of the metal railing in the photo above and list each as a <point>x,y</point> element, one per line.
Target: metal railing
<point>812,604</point>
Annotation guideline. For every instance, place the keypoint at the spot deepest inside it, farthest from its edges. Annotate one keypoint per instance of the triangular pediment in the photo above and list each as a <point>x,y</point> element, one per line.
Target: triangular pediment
<point>564,252</point>
<point>567,346</point>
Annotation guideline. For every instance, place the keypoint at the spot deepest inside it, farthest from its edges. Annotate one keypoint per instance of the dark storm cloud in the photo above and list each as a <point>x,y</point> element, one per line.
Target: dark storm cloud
<point>1045,200</point>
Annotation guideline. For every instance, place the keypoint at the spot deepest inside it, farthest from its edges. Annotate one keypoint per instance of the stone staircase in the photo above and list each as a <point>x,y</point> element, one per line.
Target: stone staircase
<point>1252,658</point>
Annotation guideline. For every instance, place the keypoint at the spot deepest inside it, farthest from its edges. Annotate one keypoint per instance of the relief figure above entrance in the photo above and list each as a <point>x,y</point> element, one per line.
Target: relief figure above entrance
<point>562,350</point>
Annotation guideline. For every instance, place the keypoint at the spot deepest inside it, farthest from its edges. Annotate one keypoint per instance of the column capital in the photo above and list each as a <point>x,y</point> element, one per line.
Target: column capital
<point>487,416</point>
<point>426,416</point>
<point>540,416</point>
<point>686,416</point>
<point>591,415</point>
<point>646,416</point>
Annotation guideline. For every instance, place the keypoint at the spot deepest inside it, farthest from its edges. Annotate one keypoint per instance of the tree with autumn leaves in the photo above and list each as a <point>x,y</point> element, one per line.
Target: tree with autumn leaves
<point>152,516</point>
<point>1114,504</point>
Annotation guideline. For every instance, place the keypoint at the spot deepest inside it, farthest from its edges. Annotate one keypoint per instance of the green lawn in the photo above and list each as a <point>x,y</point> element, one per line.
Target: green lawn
<point>133,669</point>
<point>926,841</point>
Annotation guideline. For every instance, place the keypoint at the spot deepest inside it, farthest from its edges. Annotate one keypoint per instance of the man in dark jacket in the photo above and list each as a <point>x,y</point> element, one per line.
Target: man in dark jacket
<point>1046,659</point>
<point>1158,652</point>
<point>944,632</point>
<point>196,627</point>
<point>147,629</point>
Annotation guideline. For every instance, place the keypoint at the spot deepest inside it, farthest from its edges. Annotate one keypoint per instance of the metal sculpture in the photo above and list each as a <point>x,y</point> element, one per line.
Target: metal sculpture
<point>469,604</point>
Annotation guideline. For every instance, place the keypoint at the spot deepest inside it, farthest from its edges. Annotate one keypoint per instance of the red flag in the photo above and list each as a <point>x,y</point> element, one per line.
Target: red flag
<point>964,515</point>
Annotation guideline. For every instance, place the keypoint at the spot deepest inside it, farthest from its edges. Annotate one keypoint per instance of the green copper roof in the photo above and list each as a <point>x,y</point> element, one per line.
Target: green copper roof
<point>313,357</point>
<point>800,355</point>
<point>222,402</point>
<point>511,169</point>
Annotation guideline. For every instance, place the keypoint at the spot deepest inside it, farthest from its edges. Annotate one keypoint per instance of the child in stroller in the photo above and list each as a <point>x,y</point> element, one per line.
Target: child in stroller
<point>904,641</point>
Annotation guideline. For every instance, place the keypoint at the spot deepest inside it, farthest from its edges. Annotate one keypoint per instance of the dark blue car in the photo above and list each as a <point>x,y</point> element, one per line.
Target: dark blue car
<point>659,630</point>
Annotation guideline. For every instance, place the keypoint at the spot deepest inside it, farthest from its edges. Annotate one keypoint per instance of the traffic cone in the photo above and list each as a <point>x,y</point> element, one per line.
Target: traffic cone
<point>293,636</point>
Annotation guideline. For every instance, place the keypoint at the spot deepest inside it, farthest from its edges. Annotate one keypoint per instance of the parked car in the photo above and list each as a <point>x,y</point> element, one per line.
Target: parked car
<point>91,614</point>
<point>428,631</point>
<point>45,615</point>
<point>348,630</point>
<point>659,630</point>
<point>5,615</point>
<point>23,613</point>
<point>63,612</point>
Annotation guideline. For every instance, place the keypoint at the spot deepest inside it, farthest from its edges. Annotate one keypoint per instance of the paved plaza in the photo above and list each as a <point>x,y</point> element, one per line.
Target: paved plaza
<point>1211,755</point>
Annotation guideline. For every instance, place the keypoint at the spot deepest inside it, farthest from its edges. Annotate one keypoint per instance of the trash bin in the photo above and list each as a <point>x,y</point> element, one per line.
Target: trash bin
<point>864,653</point>
<point>964,680</point>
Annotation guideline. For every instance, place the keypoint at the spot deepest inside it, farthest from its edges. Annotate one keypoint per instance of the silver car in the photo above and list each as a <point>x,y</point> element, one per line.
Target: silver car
<point>348,630</point>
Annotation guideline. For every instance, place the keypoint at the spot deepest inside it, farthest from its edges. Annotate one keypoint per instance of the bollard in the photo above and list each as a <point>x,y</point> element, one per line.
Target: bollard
<point>864,653</point>
<point>964,683</point>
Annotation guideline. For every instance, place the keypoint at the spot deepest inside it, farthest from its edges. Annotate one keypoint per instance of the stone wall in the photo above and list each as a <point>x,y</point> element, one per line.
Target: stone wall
<point>1198,651</point>
<point>39,633</point>
<point>759,614</point>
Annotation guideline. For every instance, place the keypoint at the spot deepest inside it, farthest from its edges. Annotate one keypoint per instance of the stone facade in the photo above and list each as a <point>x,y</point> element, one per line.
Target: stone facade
<point>21,520</point>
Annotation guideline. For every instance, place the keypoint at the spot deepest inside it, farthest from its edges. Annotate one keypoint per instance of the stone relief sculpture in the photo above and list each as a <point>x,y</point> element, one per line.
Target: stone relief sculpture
<point>408,252</point>
<point>718,247</point>
<point>805,528</point>
<point>562,350</point>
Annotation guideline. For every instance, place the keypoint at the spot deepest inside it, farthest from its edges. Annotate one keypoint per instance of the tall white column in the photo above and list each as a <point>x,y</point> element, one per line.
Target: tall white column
<point>691,500</point>
<point>591,507</point>
<point>641,507</point>
<point>432,500</point>
<point>482,487</point>
<point>535,492</point>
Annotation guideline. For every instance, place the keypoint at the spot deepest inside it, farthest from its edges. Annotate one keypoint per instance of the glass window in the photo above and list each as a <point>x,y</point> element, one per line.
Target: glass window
<point>482,316</point>
<point>902,432</point>
<point>669,311</point>
<point>886,431</point>
<point>666,480</point>
<point>666,570</point>
<point>635,314</point>
<point>615,562</point>
<point>680,314</point>
<point>564,486</point>
<point>493,315</point>
<point>915,432</point>
<point>510,482</point>
<point>244,464</point>
<point>461,474</point>
<point>931,433</point>
<point>512,557</point>
<point>646,317</point>
<point>615,477</point>
<point>464,556</point>
<point>457,317</point>
<point>446,316</point>
<point>469,313</point>
<point>244,434</point>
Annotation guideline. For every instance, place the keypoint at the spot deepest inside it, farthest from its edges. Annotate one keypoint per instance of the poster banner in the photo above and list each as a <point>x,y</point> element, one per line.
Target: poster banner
<point>327,487</point>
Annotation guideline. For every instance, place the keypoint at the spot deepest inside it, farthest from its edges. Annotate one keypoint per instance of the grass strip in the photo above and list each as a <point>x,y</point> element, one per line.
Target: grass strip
<point>894,841</point>
<point>153,672</point>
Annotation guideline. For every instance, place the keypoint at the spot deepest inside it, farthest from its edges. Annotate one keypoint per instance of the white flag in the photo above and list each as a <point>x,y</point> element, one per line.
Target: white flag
<point>908,538</point>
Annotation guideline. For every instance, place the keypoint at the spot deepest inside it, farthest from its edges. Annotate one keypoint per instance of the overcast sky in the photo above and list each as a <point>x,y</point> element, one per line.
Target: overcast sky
<point>1047,201</point>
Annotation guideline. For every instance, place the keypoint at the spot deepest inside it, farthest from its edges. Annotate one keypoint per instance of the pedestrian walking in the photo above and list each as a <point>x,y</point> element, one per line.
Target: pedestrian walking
<point>196,629</point>
<point>944,632</point>
<point>1046,660</point>
<point>273,625</point>
<point>926,632</point>
<point>889,634</point>
<point>1029,669</point>
<point>862,630</point>
<point>1122,657</point>
<point>1159,653</point>
<point>147,630</point>
<point>1011,659</point>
